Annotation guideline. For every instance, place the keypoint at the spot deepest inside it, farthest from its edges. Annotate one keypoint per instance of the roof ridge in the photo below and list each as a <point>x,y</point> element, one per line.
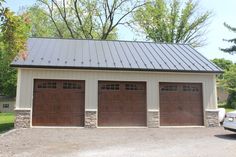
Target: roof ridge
<point>138,41</point>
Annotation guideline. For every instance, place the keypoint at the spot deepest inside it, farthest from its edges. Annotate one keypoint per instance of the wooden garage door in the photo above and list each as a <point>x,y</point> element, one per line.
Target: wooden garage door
<point>181,104</point>
<point>58,103</point>
<point>122,104</point>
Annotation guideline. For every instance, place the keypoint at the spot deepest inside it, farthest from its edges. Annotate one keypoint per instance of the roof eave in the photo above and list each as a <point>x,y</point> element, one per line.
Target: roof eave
<point>118,69</point>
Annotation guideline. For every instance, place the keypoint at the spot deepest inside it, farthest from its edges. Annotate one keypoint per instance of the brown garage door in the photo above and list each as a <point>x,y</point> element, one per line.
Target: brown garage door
<point>181,104</point>
<point>122,104</point>
<point>58,103</point>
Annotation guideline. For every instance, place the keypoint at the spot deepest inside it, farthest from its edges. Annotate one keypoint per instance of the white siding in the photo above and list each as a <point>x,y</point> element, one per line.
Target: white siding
<point>11,104</point>
<point>91,77</point>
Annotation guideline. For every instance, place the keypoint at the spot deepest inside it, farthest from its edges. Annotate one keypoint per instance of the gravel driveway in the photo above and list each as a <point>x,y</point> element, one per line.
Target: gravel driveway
<point>74,142</point>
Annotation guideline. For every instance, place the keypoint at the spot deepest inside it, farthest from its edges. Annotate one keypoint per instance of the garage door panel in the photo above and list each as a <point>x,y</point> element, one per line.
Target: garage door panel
<point>111,108</point>
<point>106,118</point>
<point>138,108</point>
<point>181,104</point>
<point>58,103</point>
<point>122,119</point>
<point>53,120</point>
<point>122,103</point>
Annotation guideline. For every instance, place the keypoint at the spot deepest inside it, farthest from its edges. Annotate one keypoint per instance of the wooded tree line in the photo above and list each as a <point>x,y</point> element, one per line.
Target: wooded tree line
<point>227,80</point>
<point>171,21</point>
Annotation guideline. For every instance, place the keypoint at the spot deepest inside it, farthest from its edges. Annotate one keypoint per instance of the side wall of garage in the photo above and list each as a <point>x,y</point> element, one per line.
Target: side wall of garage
<point>24,99</point>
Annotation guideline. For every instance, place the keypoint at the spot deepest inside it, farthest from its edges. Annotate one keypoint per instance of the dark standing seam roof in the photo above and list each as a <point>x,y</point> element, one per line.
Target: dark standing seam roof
<point>113,55</point>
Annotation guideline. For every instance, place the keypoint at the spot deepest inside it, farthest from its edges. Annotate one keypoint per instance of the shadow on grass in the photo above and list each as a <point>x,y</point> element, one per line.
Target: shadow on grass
<point>227,136</point>
<point>5,127</point>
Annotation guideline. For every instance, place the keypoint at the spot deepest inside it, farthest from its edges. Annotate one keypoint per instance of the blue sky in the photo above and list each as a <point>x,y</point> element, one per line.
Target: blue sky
<point>223,11</point>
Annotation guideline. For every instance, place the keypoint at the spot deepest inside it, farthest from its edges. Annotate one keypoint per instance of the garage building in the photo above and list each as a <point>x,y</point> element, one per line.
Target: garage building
<point>95,83</point>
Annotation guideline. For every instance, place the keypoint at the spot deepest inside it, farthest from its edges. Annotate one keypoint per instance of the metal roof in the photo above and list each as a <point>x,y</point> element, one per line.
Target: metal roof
<point>113,55</point>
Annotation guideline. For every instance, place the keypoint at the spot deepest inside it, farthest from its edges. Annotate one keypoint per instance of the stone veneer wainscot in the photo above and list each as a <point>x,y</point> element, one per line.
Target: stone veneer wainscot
<point>22,119</point>
<point>212,118</point>
<point>90,119</point>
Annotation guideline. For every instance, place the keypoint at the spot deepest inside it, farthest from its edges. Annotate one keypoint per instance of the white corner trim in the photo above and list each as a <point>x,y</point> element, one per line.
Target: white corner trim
<point>153,110</point>
<point>22,109</point>
<point>91,110</point>
<point>212,110</point>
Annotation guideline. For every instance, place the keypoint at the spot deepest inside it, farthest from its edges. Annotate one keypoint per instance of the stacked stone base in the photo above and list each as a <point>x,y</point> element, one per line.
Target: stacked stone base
<point>212,118</point>
<point>22,119</point>
<point>153,119</point>
<point>90,119</point>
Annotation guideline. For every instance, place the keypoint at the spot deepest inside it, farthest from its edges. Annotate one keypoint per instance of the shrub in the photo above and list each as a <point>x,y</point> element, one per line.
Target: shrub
<point>231,101</point>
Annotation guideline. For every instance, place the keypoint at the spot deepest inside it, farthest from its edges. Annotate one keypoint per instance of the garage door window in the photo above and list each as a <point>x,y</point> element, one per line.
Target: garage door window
<point>187,88</point>
<point>110,87</point>
<point>47,85</point>
<point>170,88</point>
<point>71,85</point>
<point>131,87</point>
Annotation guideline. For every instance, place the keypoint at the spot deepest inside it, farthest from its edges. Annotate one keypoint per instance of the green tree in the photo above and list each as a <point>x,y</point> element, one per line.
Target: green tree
<point>169,21</point>
<point>230,78</point>
<point>227,80</point>
<point>13,35</point>
<point>232,49</point>
<point>229,83</point>
<point>40,22</point>
<point>93,19</point>
<point>223,63</point>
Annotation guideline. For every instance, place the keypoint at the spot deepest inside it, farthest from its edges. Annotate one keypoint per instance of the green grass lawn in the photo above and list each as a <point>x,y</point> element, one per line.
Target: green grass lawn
<point>6,121</point>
